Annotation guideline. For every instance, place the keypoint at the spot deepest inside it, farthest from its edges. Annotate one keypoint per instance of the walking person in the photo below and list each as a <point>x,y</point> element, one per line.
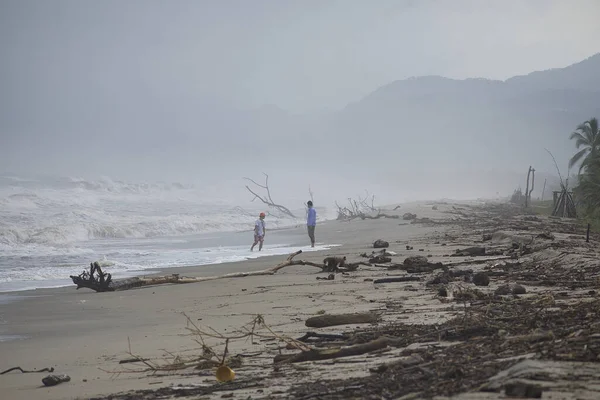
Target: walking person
<point>259,232</point>
<point>311,222</point>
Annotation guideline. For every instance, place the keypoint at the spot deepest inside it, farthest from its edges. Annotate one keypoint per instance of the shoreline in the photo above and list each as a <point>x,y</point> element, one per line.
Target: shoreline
<point>153,271</point>
<point>297,228</point>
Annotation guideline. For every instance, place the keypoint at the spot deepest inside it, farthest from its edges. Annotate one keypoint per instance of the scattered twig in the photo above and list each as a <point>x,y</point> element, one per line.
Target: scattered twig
<point>51,369</point>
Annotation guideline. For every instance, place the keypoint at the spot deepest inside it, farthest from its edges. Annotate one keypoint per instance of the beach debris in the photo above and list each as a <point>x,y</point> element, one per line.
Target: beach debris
<point>330,277</point>
<point>137,282</point>
<point>481,279</point>
<point>95,279</point>
<point>381,244</point>
<point>53,380</point>
<point>470,252</point>
<point>132,360</point>
<point>398,279</point>
<point>434,208</point>
<point>409,247</point>
<point>442,291</point>
<point>416,261</point>
<point>224,374</point>
<point>379,259</point>
<point>469,294</point>
<point>518,289</point>
<point>409,216</point>
<point>523,390</point>
<point>546,235</point>
<point>510,289</point>
<point>323,321</point>
<point>397,207</point>
<point>333,263</point>
<point>51,369</point>
<point>321,337</point>
<point>330,353</point>
<point>357,208</point>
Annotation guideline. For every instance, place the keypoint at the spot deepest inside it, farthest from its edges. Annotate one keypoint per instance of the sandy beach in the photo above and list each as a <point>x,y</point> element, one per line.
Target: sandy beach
<point>85,334</point>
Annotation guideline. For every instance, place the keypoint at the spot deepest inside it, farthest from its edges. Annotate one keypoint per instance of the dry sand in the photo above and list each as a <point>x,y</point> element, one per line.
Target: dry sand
<point>84,334</point>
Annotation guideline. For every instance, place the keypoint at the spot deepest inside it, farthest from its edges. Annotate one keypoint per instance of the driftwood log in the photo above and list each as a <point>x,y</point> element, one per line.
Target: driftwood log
<point>102,282</point>
<point>323,321</point>
<point>327,354</point>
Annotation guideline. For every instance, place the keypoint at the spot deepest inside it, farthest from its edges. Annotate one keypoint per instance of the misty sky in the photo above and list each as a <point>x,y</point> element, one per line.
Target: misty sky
<point>298,55</point>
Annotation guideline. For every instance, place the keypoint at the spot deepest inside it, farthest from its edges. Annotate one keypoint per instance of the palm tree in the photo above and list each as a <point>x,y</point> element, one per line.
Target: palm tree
<point>587,136</point>
<point>588,188</point>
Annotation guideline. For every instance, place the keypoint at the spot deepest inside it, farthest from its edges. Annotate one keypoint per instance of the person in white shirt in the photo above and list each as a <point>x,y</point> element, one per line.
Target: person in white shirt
<point>259,232</point>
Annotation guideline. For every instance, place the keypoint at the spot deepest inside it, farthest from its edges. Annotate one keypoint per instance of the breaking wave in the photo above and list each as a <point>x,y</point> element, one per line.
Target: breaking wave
<point>62,212</point>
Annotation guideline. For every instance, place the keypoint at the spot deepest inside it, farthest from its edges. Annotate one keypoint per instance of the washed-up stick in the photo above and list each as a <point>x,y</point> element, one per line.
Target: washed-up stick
<point>26,371</point>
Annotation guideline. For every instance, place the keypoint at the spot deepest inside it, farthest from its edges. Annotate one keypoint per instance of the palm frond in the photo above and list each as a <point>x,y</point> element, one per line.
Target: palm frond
<point>593,123</point>
<point>578,156</point>
<point>581,140</point>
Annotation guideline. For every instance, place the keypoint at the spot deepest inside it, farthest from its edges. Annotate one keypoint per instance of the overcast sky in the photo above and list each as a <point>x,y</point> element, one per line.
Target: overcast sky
<point>299,55</point>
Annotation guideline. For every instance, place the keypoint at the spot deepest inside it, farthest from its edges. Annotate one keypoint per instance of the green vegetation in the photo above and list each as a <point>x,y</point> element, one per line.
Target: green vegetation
<point>587,190</point>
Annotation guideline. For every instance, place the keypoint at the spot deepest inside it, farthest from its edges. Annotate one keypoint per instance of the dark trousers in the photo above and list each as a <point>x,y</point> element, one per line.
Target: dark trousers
<point>311,233</point>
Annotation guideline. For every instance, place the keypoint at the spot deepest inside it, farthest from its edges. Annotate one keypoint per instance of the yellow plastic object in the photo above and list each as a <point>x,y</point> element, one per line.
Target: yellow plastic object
<point>224,374</point>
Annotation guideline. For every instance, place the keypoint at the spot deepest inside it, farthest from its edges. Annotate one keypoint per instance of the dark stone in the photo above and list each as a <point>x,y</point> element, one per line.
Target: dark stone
<point>409,216</point>
<point>523,390</point>
<point>53,380</point>
<point>502,290</point>
<point>470,252</point>
<point>381,244</point>
<point>518,289</point>
<point>416,261</point>
<point>443,292</point>
<point>481,279</point>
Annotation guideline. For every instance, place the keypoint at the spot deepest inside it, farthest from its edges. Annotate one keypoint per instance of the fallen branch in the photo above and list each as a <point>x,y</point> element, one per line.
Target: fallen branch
<point>51,369</point>
<point>324,336</point>
<point>323,321</point>
<point>399,279</point>
<point>380,215</point>
<point>327,354</point>
<point>136,282</point>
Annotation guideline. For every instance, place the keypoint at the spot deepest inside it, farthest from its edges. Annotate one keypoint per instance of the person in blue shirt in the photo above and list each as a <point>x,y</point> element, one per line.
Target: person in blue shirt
<point>311,222</point>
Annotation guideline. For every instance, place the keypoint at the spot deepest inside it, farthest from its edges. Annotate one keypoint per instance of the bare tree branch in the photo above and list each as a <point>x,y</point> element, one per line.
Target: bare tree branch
<point>266,198</point>
<point>562,184</point>
<point>360,208</point>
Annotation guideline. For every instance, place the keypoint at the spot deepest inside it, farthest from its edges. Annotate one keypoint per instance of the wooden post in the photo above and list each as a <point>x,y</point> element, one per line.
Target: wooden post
<point>544,189</point>
<point>532,184</point>
<point>527,187</point>
<point>587,235</point>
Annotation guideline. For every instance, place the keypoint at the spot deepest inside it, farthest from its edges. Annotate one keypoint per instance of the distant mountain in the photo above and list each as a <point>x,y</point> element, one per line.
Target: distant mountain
<point>478,120</point>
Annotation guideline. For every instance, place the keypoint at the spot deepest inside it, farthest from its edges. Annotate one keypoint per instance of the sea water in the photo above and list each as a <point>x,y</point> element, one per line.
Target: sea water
<point>51,228</point>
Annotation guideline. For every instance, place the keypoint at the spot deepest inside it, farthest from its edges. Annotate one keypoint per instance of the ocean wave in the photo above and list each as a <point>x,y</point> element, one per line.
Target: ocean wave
<point>61,212</point>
